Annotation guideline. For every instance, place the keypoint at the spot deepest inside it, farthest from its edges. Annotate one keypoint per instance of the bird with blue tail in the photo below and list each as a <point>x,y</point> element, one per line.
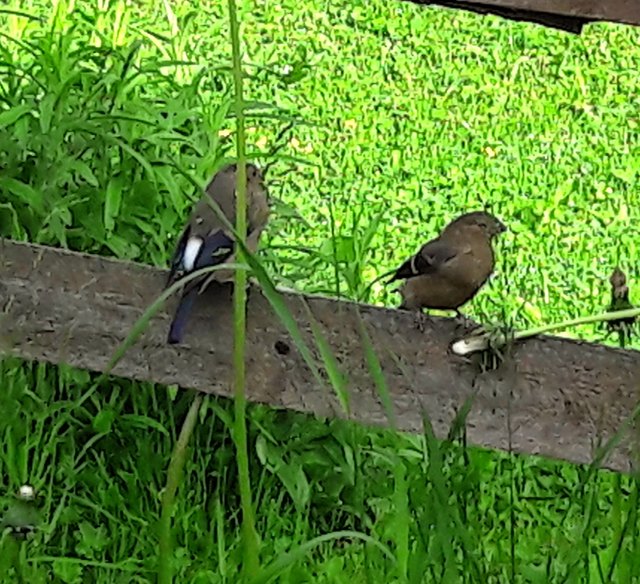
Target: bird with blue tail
<point>206,242</point>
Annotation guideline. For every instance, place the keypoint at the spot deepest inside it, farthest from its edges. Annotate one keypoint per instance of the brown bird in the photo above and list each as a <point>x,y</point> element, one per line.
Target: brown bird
<point>449,270</point>
<point>620,301</point>
<point>206,242</point>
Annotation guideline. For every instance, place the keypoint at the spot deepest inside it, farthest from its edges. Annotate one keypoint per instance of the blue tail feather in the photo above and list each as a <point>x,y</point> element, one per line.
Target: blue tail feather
<point>176,331</point>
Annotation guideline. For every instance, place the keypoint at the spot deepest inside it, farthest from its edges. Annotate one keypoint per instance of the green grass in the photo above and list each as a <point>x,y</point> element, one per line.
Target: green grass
<point>407,116</point>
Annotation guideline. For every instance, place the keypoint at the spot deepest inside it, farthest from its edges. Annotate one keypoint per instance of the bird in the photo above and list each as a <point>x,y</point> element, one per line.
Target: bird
<point>205,241</point>
<point>620,301</point>
<point>449,270</point>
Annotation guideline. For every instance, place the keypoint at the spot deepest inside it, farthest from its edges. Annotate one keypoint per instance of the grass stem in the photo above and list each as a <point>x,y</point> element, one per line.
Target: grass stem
<point>174,474</point>
<point>249,534</point>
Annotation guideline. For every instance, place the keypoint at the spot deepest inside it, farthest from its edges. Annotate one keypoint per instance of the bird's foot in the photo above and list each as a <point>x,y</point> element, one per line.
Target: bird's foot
<point>465,322</point>
<point>420,320</point>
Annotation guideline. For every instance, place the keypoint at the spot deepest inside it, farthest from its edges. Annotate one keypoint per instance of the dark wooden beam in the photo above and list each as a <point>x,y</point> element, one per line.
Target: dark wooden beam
<point>554,397</point>
<point>568,15</point>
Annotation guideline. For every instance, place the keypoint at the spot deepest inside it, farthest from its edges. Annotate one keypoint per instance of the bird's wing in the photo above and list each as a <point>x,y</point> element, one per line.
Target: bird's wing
<point>431,257</point>
<point>216,248</point>
<point>178,254</point>
<point>436,254</point>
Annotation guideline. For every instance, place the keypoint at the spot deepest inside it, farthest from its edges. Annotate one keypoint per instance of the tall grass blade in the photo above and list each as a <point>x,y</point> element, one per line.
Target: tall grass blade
<point>251,550</point>
<point>174,476</point>
<point>284,561</point>
<point>376,372</point>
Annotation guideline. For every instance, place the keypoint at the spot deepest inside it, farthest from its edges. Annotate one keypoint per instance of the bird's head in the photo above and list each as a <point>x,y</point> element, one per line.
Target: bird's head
<point>253,172</point>
<point>487,223</point>
<point>619,288</point>
<point>255,176</point>
<point>617,279</point>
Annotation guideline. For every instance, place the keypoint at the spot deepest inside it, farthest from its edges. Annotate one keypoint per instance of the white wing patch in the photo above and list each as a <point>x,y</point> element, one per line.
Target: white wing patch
<point>191,251</point>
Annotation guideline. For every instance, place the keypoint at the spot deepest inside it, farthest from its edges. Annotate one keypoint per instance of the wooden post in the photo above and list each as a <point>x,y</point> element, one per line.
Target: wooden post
<point>554,397</point>
<point>568,15</point>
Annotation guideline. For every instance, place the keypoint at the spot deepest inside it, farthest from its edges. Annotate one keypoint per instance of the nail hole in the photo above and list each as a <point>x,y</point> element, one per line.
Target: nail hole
<point>282,348</point>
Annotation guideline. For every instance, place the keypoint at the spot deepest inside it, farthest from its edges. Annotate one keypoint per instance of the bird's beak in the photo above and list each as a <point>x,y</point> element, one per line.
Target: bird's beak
<point>501,227</point>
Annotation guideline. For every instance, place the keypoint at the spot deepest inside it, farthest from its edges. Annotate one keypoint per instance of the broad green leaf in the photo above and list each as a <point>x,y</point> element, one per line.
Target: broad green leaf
<point>23,192</point>
<point>112,202</point>
<point>13,114</point>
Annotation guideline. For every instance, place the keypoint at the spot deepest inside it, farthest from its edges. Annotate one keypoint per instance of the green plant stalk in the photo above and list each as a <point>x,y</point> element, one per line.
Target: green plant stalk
<point>605,316</point>
<point>174,474</point>
<point>249,534</point>
<point>481,340</point>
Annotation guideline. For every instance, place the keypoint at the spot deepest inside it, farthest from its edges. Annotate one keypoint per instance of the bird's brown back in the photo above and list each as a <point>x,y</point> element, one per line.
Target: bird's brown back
<point>222,190</point>
<point>452,283</point>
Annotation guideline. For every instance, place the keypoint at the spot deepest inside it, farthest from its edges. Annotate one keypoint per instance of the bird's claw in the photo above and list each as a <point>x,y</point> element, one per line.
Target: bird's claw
<point>466,323</point>
<point>420,320</point>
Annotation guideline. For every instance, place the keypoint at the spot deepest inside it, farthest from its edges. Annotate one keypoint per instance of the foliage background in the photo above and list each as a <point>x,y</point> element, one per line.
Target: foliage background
<point>408,116</point>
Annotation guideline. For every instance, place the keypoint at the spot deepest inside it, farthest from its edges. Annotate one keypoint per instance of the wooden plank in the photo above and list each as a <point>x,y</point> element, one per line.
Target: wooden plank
<point>555,397</point>
<point>569,15</point>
